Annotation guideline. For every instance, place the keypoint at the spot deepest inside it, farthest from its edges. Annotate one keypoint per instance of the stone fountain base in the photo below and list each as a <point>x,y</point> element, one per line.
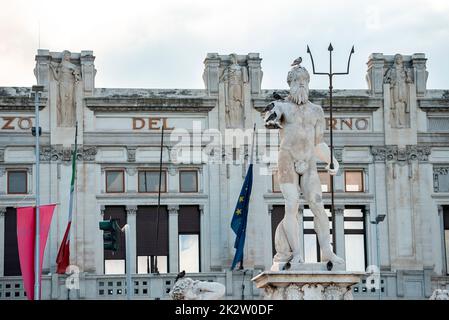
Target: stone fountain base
<point>307,285</point>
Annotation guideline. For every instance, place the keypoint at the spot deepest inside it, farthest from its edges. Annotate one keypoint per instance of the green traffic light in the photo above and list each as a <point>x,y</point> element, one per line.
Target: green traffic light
<point>110,234</point>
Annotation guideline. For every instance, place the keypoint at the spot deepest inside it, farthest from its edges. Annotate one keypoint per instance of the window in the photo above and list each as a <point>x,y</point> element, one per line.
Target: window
<point>115,181</point>
<point>152,239</point>
<point>17,181</point>
<point>188,181</point>
<point>275,182</point>
<point>355,253</point>
<point>149,181</point>
<point>11,263</point>
<point>189,238</point>
<point>114,262</point>
<point>312,251</point>
<point>325,179</point>
<point>354,181</point>
<point>446,235</point>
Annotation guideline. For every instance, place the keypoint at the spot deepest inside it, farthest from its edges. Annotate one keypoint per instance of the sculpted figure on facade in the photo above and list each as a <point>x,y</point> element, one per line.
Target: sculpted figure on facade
<point>234,76</point>
<point>301,127</point>
<point>189,289</point>
<point>399,79</point>
<point>67,75</point>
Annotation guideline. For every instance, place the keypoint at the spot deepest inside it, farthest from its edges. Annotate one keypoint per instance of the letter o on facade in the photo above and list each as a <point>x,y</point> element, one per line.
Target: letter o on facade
<point>25,123</point>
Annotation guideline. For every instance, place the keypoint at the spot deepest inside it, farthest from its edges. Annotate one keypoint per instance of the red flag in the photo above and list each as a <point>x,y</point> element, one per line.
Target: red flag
<point>63,258</point>
<point>26,240</point>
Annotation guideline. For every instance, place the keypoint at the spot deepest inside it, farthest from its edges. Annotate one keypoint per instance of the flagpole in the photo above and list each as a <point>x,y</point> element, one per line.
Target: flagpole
<point>156,270</point>
<point>37,131</point>
<point>251,158</point>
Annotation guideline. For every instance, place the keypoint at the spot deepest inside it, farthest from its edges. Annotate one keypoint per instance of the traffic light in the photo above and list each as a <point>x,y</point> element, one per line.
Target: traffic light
<point>111,231</point>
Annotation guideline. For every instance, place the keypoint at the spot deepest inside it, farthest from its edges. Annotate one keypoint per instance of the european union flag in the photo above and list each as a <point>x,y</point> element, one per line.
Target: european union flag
<point>238,223</point>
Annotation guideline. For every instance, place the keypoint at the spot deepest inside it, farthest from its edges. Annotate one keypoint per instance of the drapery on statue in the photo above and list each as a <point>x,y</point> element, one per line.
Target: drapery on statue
<point>188,289</point>
<point>399,77</point>
<point>234,77</point>
<point>301,125</point>
<point>67,75</point>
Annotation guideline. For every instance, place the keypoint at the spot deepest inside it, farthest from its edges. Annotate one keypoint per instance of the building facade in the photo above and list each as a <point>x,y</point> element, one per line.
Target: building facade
<point>391,193</point>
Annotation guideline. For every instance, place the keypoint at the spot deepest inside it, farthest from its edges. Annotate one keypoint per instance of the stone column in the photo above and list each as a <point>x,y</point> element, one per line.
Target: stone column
<point>442,240</point>
<point>340,230</point>
<point>173,250</point>
<point>131,212</point>
<point>131,180</point>
<point>2,239</point>
<point>203,255</point>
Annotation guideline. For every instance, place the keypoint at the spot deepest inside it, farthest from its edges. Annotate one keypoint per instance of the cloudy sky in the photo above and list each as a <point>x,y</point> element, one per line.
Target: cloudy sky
<point>162,44</point>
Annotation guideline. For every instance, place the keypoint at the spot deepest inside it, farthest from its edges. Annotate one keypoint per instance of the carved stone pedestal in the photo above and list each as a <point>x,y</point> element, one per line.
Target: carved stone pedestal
<point>307,285</point>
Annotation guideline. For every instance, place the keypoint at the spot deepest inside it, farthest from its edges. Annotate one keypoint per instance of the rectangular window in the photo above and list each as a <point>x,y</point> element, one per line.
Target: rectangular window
<point>354,181</point>
<point>189,238</point>
<point>275,182</point>
<point>188,181</point>
<point>325,179</point>
<point>115,181</point>
<point>355,252</point>
<point>446,235</point>
<point>17,181</point>
<point>149,181</point>
<point>11,263</point>
<point>114,262</point>
<point>152,239</point>
<point>441,179</point>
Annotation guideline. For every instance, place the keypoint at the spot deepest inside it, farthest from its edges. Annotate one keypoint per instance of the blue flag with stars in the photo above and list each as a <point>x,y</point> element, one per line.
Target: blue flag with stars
<point>240,217</point>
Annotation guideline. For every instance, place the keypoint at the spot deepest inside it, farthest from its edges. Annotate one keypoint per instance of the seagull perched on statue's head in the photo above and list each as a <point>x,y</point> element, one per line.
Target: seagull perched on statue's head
<point>296,62</point>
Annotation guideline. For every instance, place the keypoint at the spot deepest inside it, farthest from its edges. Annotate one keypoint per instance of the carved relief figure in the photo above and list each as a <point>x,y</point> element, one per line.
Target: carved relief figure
<point>67,75</point>
<point>188,289</point>
<point>399,77</point>
<point>301,127</point>
<point>234,77</point>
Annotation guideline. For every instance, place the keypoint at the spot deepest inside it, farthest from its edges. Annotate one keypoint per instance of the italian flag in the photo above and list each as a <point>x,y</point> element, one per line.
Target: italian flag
<point>63,258</point>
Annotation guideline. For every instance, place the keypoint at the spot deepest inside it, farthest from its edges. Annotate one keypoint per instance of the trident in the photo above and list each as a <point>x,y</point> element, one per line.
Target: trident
<point>330,74</point>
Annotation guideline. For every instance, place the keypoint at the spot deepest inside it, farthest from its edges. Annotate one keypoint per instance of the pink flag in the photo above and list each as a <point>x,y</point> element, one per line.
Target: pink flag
<point>26,236</point>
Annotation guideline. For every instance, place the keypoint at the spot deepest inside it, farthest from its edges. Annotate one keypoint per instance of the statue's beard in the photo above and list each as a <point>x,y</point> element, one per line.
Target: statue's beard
<point>299,95</point>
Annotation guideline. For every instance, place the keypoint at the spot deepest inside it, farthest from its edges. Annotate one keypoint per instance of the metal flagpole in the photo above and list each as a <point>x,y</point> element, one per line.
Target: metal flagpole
<point>330,74</point>
<point>36,132</point>
<point>250,163</point>
<point>156,270</point>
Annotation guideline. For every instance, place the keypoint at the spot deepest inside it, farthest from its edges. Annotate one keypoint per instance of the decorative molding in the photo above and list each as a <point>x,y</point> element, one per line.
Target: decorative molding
<point>201,208</point>
<point>131,210</point>
<point>172,170</point>
<point>339,210</point>
<point>2,154</point>
<point>131,154</point>
<point>2,171</point>
<point>2,211</point>
<point>59,153</point>
<point>437,172</point>
<point>131,171</point>
<point>393,153</point>
<point>173,209</point>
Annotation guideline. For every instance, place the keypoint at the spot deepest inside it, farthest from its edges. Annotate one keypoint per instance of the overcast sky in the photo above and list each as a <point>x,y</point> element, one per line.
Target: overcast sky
<point>162,44</point>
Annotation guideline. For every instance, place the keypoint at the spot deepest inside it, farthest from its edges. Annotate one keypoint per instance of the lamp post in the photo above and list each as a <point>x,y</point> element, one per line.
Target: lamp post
<point>331,74</point>
<point>36,131</point>
<point>379,219</point>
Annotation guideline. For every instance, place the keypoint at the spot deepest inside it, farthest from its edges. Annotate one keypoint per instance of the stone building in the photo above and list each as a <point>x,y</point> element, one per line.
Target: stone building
<point>391,139</point>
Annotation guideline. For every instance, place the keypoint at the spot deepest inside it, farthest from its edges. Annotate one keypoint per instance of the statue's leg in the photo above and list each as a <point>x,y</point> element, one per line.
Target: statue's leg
<point>289,185</point>
<point>311,186</point>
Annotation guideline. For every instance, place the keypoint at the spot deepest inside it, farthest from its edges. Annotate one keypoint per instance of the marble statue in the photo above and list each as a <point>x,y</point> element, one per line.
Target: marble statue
<point>234,76</point>
<point>301,126</point>
<point>399,77</point>
<point>440,294</point>
<point>67,75</point>
<point>189,289</point>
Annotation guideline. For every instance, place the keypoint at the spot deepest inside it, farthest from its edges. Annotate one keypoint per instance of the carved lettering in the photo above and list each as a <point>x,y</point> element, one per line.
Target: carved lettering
<point>139,121</point>
<point>153,122</point>
<point>347,122</point>
<point>166,127</point>
<point>361,124</point>
<point>28,123</point>
<point>7,125</point>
